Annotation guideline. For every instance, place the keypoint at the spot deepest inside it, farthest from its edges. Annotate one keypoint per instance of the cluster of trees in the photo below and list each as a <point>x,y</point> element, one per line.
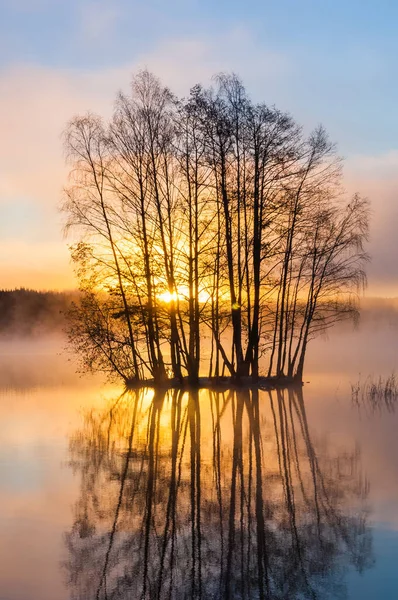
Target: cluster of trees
<point>213,495</point>
<point>213,235</point>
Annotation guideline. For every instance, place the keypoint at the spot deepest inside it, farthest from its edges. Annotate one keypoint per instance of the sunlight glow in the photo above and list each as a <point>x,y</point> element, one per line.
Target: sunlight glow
<point>167,297</point>
<point>182,294</point>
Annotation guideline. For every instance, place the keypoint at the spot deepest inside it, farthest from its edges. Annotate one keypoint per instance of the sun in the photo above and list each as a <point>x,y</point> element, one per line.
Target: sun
<point>167,297</point>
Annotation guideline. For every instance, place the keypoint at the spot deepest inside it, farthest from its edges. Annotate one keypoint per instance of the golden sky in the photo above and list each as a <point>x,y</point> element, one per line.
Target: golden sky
<point>59,60</point>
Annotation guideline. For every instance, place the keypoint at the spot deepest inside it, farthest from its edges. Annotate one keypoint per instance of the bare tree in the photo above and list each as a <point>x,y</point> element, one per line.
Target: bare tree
<point>214,235</point>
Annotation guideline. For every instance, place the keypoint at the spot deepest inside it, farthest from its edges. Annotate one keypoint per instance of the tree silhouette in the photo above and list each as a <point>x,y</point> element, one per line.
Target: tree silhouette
<point>212,233</point>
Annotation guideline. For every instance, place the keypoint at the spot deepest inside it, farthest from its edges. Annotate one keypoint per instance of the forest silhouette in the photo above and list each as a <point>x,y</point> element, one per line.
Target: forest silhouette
<point>27,313</point>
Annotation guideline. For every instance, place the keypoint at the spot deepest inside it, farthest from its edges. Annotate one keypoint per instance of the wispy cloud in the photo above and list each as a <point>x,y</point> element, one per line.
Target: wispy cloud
<point>376,176</point>
<point>43,265</point>
<point>37,102</point>
<point>98,20</point>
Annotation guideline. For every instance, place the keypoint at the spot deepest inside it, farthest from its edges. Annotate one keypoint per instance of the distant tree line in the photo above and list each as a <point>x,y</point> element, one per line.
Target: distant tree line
<point>25,312</point>
<point>213,235</point>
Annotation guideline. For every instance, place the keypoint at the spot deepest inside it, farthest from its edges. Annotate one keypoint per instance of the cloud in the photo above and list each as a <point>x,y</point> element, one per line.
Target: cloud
<point>98,19</point>
<point>376,177</point>
<point>382,166</point>
<point>36,103</point>
<point>183,62</point>
<point>40,265</point>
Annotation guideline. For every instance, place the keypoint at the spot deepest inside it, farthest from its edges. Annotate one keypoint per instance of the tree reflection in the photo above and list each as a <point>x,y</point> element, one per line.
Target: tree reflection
<point>213,495</point>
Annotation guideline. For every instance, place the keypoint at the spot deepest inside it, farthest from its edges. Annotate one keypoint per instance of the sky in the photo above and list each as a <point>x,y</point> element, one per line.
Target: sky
<point>330,62</point>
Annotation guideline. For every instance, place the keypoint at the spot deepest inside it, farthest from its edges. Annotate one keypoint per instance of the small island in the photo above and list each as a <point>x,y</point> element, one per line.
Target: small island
<point>212,238</point>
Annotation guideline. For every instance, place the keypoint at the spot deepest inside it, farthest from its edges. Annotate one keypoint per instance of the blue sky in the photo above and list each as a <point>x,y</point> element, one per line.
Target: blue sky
<point>325,62</point>
<point>340,56</point>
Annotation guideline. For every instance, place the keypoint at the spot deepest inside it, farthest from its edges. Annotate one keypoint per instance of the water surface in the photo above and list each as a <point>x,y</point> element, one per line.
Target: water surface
<point>106,494</point>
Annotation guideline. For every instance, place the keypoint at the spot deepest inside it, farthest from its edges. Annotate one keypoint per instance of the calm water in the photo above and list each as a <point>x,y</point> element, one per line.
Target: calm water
<point>289,495</point>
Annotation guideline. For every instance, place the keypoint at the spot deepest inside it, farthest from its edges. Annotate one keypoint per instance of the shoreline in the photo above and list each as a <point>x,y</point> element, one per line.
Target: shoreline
<point>218,383</point>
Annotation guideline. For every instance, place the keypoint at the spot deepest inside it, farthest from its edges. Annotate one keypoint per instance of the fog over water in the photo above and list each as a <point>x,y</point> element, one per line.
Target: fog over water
<point>293,494</point>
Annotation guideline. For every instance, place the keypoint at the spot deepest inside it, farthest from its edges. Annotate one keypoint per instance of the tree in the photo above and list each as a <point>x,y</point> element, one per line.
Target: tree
<point>213,235</point>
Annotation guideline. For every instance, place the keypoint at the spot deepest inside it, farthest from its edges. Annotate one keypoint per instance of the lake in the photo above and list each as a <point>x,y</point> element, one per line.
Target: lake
<point>290,495</point>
